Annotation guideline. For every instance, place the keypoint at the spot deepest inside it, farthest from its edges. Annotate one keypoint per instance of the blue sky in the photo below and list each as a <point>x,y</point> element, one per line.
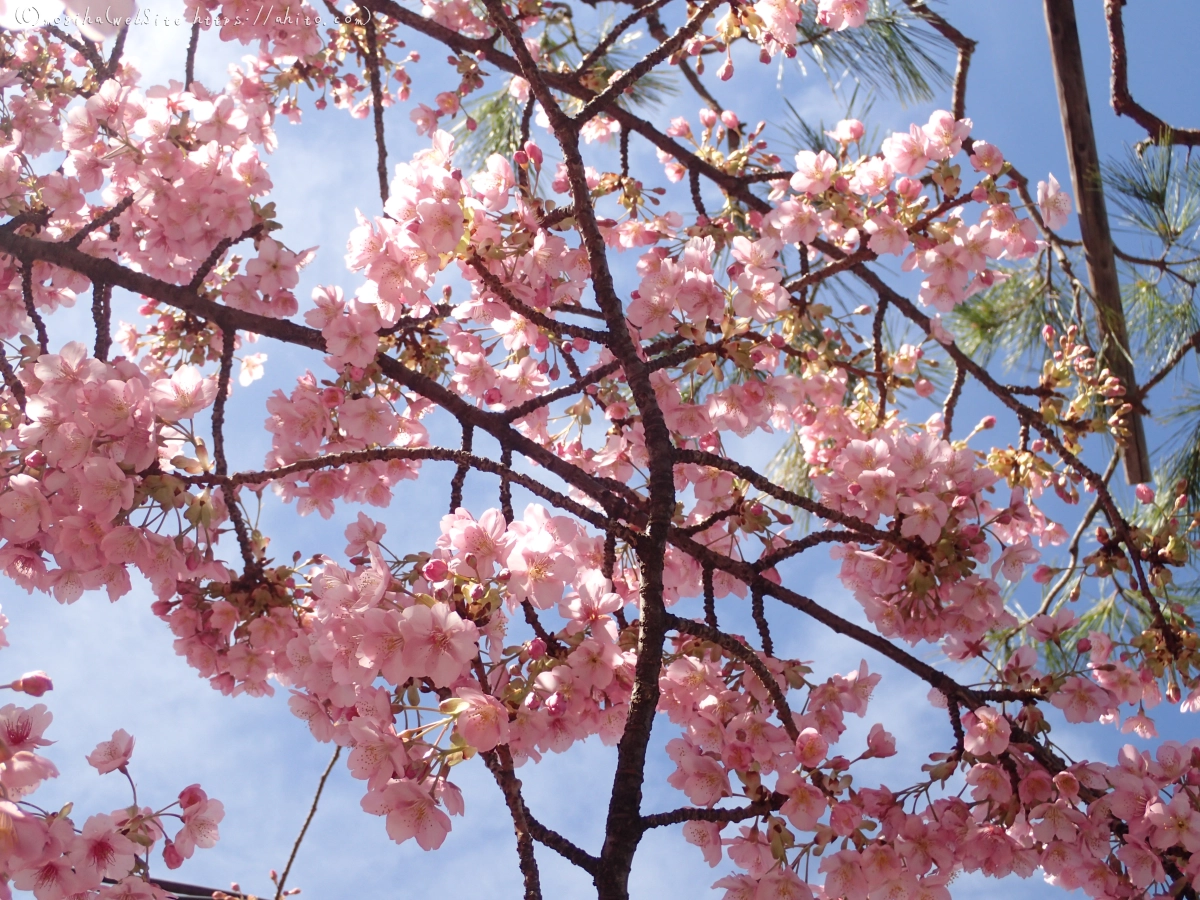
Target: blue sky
<point>114,667</point>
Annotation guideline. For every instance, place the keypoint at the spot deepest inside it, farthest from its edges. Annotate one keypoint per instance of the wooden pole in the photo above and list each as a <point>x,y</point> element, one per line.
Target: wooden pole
<point>1093,221</point>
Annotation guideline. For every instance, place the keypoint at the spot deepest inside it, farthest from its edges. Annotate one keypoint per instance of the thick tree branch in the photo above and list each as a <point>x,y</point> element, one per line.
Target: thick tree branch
<point>1093,222</point>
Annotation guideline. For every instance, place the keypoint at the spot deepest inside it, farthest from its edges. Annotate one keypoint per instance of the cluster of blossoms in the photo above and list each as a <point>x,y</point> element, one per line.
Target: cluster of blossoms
<point>934,493</point>
<point>106,858</point>
<point>181,168</point>
<point>85,495</point>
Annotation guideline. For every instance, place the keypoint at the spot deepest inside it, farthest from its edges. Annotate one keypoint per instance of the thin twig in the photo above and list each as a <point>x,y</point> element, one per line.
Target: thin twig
<point>747,655</point>
<point>710,597</point>
<point>1073,548</point>
<point>30,307</point>
<point>960,378</point>
<point>189,69</point>
<point>114,58</point>
<point>102,317</point>
<point>312,811</point>
<point>377,107</point>
<point>460,474</point>
<point>500,762</point>
<point>100,221</point>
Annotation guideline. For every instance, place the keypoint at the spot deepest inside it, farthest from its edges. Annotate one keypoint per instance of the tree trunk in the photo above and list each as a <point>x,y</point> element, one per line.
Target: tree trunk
<point>1093,221</point>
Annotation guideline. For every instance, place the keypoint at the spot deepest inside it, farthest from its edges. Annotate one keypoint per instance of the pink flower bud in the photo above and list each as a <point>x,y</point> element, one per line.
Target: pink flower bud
<point>537,648</point>
<point>987,422</point>
<point>811,748</point>
<point>847,131</point>
<point>924,387</point>
<point>908,188</point>
<point>521,158</point>
<point>33,683</point>
<point>1083,645</point>
<point>171,856</point>
<point>435,569</point>
<point>708,117</point>
<point>191,795</point>
<point>1144,493</point>
<point>1042,574</point>
<point>729,119</point>
<point>534,152</point>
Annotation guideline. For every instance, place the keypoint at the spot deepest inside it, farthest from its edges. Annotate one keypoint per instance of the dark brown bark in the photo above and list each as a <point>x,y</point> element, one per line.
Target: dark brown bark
<point>1123,103</point>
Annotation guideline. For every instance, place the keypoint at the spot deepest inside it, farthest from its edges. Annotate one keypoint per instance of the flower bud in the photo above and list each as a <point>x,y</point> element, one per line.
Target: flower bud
<point>909,189</point>
<point>33,683</point>
<point>435,569</point>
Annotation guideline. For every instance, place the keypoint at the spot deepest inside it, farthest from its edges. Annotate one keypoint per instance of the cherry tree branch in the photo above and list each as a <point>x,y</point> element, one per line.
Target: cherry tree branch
<point>963,44</point>
<point>312,811</point>
<point>747,655</point>
<point>1181,352</point>
<point>1029,417</point>
<point>100,221</point>
<point>377,107</point>
<point>721,815</point>
<point>618,85</point>
<point>189,68</point>
<point>500,764</point>
<point>30,307</point>
<point>1123,103</point>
